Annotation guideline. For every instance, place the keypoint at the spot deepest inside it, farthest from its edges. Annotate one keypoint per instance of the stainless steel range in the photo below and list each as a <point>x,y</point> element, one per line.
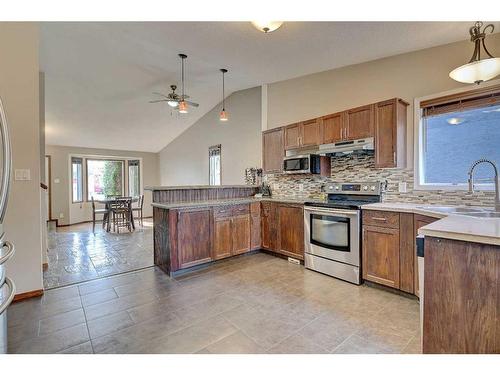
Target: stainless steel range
<point>332,229</point>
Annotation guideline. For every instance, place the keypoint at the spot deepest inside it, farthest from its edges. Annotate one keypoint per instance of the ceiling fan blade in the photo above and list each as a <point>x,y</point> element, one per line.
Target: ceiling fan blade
<point>158,101</point>
<point>193,104</point>
<point>165,96</point>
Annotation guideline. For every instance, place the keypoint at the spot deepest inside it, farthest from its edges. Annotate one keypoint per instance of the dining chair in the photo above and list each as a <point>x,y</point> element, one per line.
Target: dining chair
<point>121,209</point>
<point>99,211</point>
<point>138,209</point>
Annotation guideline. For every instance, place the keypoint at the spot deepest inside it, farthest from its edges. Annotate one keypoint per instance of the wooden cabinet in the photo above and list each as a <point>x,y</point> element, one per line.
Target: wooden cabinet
<point>381,255</point>
<point>222,238</point>
<point>194,240</point>
<point>333,128</point>
<point>269,226</point>
<point>291,230</point>
<point>407,253</point>
<point>359,122</point>
<point>272,151</point>
<point>390,134</point>
<point>303,134</point>
<point>231,231</point>
<point>255,226</point>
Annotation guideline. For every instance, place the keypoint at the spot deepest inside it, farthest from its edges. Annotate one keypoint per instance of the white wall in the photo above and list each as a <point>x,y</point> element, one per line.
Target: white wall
<point>19,81</point>
<point>407,76</point>
<point>61,192</point>
<point>184,161</point>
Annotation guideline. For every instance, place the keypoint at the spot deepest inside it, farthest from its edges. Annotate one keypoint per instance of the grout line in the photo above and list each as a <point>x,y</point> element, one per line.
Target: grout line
<point>347,338</point>
<point>88,330</point>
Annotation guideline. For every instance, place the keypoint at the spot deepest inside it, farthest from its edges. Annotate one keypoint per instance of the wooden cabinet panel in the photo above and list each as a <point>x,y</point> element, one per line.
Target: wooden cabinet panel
<point>292,136</point>
<point>310,133</point>
<point>419,221</point>
<point>240,231</point>
<point>390,134</point>
<point>381,218</point>
<point>194,244</point>
<point>381,255</point>
<point>291,231</point>
<point>269,226</point>
<point>360,122</point>
<point>333,128</point>
<point>255,226</point>
<point>406,253</point>
<point>462,297</point>
<point>272,151</point>
<point>222,238</point>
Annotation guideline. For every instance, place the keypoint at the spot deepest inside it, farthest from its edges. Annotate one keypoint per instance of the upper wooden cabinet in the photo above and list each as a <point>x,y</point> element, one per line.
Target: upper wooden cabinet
<point>272,151</point>
<point>359,122</point>
<point>333,128</point>
<point>302,134</point>
<point>390,134</point>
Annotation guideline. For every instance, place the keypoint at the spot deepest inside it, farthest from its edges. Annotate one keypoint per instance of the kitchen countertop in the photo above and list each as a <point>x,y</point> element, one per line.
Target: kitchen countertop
<point>452,226</point>
<point>232,201</point>
<point>197,187</point>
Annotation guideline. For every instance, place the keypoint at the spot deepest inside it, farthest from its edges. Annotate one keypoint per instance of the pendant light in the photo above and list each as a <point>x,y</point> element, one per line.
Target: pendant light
<point>267,26</point>
<point>223,114</point>
<point>183,107</point>
<point>478,69</point>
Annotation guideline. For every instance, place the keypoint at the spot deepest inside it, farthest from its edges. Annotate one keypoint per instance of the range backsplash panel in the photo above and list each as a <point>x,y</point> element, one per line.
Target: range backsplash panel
<point>361,167</point>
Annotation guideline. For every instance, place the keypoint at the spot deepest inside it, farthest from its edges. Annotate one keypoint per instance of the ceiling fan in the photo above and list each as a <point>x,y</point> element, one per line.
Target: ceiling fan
<point>173,99</point>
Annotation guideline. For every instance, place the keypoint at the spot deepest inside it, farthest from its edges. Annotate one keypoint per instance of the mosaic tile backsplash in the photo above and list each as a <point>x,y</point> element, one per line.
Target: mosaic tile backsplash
<point>361,167</point>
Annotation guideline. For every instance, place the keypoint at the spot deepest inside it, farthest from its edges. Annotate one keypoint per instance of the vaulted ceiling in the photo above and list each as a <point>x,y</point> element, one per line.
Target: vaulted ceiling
<point>99,77</point>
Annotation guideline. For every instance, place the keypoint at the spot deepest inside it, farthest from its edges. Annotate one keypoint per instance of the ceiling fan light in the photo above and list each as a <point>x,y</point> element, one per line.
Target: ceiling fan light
<point>267,26</point>
<point>183,108</point>
<point>477,71</point>
<point>173,103</point>
<point>223,116</point>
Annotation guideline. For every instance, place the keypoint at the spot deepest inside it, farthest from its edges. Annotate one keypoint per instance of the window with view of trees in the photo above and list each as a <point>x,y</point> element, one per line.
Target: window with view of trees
<point>134,178</point>
<point>456,133</point>
<point>76,180</point>
<point>214,162</point>
<point>104,178</point>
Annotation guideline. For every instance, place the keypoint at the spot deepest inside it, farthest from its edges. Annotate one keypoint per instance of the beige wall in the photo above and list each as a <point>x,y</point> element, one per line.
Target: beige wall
<point>184,161</point>
<point>19,69</point>
<point>407,76</point>
<point>61,193</point>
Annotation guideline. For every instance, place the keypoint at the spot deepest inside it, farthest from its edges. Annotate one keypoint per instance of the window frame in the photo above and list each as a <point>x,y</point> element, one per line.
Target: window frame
<point>87,159</point>
<point>418,124</point>
<point>82,185</point>
<point>210,149</point>
<point>139,175</point>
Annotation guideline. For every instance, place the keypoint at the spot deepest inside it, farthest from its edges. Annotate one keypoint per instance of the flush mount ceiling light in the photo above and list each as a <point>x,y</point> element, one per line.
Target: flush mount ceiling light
<point>478,69</point>
<point>223,114</point>
<point>267,26</point>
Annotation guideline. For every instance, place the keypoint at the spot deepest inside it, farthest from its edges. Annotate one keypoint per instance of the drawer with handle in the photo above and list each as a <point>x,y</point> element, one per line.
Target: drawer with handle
<point>381,218</point>
<point>223,211</point>
<point>241,209</point>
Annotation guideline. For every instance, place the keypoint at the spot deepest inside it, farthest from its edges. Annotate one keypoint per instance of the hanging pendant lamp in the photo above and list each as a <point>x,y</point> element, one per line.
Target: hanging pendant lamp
<point>183,107</point>
<point>478,69</point>
<point>223,114</point>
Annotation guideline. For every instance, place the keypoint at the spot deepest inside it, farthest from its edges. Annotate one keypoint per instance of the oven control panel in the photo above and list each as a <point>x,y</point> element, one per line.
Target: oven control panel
<point>371,188</point>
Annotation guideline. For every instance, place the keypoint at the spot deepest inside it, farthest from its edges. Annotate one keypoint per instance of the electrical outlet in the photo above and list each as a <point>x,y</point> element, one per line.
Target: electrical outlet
<point>402,187</point>
<point>293,260</point>
<point>56,180</point>
<point>61,216</point>
<point>301,187</point>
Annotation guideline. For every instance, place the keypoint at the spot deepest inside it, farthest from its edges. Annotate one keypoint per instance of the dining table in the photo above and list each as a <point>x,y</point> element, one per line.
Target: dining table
<point>108,201</point>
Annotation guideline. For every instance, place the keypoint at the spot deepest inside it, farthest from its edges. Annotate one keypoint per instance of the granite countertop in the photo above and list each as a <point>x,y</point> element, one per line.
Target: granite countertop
<point>196,187</point>
<point>454,226</point>
<point>232,201</point>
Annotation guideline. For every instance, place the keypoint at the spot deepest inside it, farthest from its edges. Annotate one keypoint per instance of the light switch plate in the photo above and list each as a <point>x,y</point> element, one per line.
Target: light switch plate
<point>56,180</point>
<point>402,187</point>
<point>22,174</point>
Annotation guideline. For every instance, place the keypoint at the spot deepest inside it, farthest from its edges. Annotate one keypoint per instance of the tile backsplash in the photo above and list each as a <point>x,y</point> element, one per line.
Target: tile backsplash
<point>361,167</point>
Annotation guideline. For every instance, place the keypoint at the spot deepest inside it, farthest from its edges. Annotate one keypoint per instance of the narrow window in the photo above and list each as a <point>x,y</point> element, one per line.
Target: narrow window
<point>134,178</point>
<point>76,180</point>
<point>104,178</point>
<point>214,162</point>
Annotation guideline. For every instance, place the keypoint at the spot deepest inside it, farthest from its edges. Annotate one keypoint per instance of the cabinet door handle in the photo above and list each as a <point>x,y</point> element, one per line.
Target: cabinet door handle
<point>379,218</point>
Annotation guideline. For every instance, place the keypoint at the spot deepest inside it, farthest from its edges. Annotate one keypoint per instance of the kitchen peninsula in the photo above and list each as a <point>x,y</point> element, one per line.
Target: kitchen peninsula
<point>195,225</point>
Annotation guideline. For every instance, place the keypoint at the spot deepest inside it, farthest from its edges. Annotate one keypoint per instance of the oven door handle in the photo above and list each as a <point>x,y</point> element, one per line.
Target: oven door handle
<point>332,211</point>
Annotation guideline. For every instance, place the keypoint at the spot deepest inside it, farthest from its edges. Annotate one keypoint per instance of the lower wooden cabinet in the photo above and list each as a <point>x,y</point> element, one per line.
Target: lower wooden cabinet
<point>269,226</point>
<point>194,240</point>
<point>231,234</point>
<point>222,238</point>
<point>255,226</point>
<point>291,230</point>
<point>240,231</point>
<point>381,255</point>
<point>418,222</point>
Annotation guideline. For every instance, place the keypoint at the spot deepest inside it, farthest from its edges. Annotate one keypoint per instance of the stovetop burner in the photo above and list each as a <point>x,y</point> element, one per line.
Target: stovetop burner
<point>349,195</point>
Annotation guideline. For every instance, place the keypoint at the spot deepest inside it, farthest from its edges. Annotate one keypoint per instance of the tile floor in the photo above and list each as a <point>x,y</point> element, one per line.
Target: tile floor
<point>250,304</point>
<point>76,254</point>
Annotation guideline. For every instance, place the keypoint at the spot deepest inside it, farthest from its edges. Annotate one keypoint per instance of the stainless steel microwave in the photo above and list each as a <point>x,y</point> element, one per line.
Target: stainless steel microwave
<point>302,164</point>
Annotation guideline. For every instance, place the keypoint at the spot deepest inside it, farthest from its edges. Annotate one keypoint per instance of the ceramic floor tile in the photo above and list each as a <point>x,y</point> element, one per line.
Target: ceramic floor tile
<point>236,343</point>
<point>109,324</point>
<point>61,321</point>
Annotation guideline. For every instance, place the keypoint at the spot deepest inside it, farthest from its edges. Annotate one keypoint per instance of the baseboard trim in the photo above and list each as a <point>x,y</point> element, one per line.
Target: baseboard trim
<point>26,295</point>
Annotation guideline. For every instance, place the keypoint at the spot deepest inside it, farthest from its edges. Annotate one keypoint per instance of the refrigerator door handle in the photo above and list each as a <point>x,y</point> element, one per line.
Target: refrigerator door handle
<point>10,251</point>
<point>6,162</point>
<point>9,299</point>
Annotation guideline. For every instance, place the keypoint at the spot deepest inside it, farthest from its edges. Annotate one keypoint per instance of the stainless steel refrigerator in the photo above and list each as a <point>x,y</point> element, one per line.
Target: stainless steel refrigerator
<point>7,288</point>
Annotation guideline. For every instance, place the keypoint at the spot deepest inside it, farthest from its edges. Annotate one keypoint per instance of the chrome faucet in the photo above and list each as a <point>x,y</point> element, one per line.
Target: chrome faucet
<point>471,179</point>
